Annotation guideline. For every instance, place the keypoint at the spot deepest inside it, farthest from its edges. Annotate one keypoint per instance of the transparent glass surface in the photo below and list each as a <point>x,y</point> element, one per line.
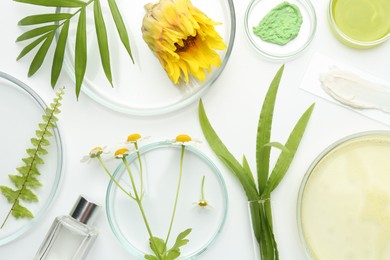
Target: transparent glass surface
<point>255,12</point>
<point>341,208</point>
<point>21,111</point>
<point>144,88</point>
<point>161,167</point>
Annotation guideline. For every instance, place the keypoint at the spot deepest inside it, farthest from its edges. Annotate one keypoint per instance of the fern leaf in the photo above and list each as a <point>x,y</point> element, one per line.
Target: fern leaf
<point>33,182</point>
<point>20,181</point>
<point>42,151</point>
<point>31,152</point>
<point>9,193</point>
<point>27,180</point>
<point>18,211</point>
<point>44,142</point>
<point>27,195</point>
<point>17,180</point>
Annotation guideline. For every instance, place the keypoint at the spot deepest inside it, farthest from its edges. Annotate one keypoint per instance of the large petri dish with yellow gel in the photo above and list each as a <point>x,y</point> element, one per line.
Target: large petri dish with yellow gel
<point>360,23</point>
<point>344,200</point>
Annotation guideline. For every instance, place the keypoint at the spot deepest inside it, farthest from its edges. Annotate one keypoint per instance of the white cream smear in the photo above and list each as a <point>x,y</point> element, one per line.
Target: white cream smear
<point>345,210</point>
<point>352,90</point>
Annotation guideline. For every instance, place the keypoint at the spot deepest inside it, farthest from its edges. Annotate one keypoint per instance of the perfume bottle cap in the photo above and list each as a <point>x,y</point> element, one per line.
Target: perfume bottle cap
<point>84,210</point>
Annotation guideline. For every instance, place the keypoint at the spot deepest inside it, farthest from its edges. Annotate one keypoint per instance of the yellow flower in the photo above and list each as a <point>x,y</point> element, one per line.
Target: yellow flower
<point>183,138</point>
<point>121,153</point>
<point>132,138</point>
<point>183,38</point>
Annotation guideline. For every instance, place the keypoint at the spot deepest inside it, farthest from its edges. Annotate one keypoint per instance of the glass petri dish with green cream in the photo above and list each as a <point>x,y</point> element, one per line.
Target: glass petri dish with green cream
<point>280,30</point>
<point>360,23</point>
<point>344,200</point>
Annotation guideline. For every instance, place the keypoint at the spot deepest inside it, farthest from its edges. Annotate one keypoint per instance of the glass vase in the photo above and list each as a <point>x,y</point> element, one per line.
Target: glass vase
<point>264,244</point>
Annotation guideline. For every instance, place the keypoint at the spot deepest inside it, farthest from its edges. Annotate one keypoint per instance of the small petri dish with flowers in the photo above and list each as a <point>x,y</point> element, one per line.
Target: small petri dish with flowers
<point>157,169</point>
<point>174,64</point>
<point>280,30</point>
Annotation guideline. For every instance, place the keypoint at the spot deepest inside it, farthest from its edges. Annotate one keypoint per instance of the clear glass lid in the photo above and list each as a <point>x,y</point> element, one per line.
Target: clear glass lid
<point>21,111</point>
<point>161,173</point>
<point>143,88</point>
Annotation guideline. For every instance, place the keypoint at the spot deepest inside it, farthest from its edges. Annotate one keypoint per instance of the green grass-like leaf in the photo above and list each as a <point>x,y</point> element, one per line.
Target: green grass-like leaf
<point>264,131</point>
<point>48,24</point>
<point>260,209</point>
<point>26,179</point>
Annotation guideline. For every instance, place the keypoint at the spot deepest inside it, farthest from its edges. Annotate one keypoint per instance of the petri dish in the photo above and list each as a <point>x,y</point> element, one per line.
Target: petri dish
<point>344,200</point>
<point>21,111</point>
<point>143,88</point>
<point>360,23</point>
<point>160,162</point>
<point>258,9</point>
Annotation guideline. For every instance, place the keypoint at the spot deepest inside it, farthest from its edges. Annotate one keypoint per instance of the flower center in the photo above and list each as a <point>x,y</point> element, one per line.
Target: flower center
<point>188,43</point>
<point>133,137</point>
<point>183,138</point>
<point>120,152</point>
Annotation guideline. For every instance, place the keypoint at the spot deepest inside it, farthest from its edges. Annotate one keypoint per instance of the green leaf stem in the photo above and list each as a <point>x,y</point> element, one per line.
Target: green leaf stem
<point>259,191</point>
<point>26,180</point>
<point>47,25</point>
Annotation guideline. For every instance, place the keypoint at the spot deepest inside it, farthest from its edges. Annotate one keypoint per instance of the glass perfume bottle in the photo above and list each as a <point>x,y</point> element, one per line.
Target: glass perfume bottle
<point>71,237</point>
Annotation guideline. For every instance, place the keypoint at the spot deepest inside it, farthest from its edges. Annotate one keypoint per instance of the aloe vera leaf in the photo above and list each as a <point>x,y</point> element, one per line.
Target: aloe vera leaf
<point>264,131</point>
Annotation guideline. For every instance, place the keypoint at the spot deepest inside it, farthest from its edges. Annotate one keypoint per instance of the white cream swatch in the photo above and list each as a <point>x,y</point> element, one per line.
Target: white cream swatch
<point>352,90</point>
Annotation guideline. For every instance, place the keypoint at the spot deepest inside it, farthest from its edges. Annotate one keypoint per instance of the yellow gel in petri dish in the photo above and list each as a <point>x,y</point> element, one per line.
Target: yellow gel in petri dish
<point>362,21</point>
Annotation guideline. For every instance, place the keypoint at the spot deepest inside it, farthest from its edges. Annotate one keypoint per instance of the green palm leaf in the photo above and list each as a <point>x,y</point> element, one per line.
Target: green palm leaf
<point>120,26</point>
<point>36,32</point>
<point>40,55</point>
<point>43,18</point>
<point>51,23</point>
<point>101,34</point>
<point>54,3</point>
<point>59,54</point>
<point>80,51</point>
<point>31,46</point>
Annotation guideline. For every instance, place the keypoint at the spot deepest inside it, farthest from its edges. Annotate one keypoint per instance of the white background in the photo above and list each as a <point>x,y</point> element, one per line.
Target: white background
<point>232,104</point>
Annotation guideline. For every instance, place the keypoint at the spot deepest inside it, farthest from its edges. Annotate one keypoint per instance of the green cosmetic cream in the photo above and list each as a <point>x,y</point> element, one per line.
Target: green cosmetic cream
<point>362,20</point>
<point>345,206</point>
<point>280,25</point>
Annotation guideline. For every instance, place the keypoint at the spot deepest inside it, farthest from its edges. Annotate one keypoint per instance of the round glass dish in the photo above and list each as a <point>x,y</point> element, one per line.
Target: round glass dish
<point>255,12</point>
<point>344,200</point>
<point>360,24</point>
<point>21,110</point>
<point>161,173</point>
<point>144,88</point>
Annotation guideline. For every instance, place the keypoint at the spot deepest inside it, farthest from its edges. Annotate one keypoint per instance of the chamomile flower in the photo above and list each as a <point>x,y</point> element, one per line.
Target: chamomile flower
<point>95,152</point>
<point>184,139</point>
<point>121,153</point>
